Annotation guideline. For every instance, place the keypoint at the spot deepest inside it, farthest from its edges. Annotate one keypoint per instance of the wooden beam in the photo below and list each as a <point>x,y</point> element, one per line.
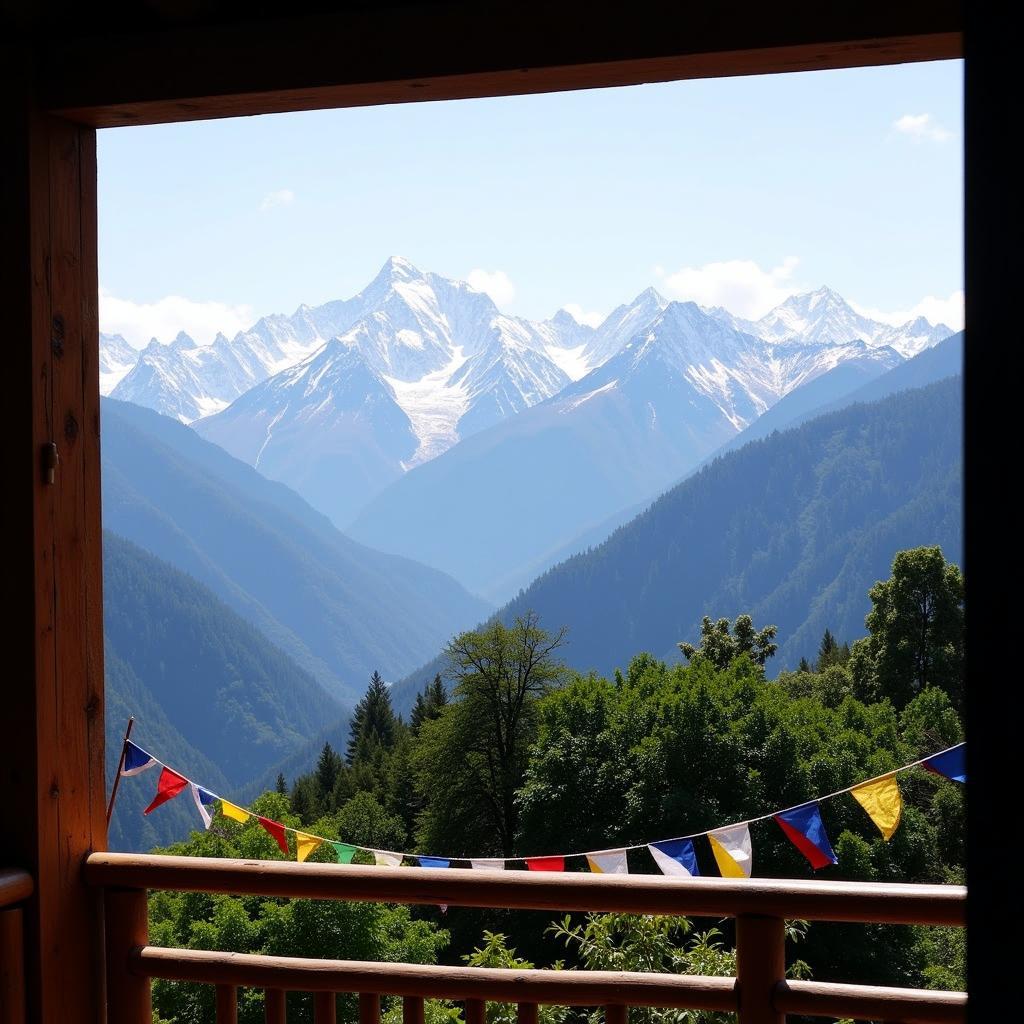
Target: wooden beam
<point>372,980</point>
<point>51,764</point>
<point>881,902</point>
<point>434,51</point>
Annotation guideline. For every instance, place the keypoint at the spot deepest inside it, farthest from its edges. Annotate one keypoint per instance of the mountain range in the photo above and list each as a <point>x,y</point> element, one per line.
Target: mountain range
<point>427,423</point>
<point>793,528</point>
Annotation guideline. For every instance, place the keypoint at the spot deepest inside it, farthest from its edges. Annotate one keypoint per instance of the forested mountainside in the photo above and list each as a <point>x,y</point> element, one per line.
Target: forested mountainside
<point>338,609</point>
<point>793,529</point>
<point>211,695</point>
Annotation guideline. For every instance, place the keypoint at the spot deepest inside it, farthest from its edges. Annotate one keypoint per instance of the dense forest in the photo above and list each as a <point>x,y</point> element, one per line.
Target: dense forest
<point>509,753</point>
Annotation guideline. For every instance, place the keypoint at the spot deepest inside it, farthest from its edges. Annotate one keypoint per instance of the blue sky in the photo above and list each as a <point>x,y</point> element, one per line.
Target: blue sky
<point>730,191</point>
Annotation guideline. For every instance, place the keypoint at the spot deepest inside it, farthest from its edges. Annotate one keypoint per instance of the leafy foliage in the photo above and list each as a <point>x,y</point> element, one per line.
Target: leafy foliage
<point>721,647</point>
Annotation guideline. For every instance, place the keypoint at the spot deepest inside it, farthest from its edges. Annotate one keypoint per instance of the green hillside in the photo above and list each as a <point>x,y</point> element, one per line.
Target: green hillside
<point>211,696</point>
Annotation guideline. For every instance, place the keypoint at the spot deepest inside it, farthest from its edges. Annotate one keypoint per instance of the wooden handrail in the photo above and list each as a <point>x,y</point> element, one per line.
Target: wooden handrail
<point>564,988</point>
<point>813,900</point>
<point>869,1002</point>
<point>15,886</point>
<point>533,987</point>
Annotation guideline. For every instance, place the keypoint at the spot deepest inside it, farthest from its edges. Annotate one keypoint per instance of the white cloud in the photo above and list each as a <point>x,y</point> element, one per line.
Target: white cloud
<point>577,312</point>
<point>495,283</point>
<point>740,286</point>
<point>163,319</point>
<point>921,128</point>
<point>282,197</point>
<point>949,311</point>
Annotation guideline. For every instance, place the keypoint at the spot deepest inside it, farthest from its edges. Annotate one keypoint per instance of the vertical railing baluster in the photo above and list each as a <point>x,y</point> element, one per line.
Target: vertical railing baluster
<point>760,966</point>
<point>12,966</point>
<point>127,929</point>
<point>476,1011</point>
<point>273,1006</point>
<point>412,1010</point>
<point>526,1013</point>
<point>369,1008</point>
<point>227,1004</point>
<point>325,1008</point>
<point>615,1013</point>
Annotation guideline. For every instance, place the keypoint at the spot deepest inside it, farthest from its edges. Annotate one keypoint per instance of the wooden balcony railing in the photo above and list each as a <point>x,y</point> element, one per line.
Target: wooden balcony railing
<point>759,994</point>
<point>15,888</point>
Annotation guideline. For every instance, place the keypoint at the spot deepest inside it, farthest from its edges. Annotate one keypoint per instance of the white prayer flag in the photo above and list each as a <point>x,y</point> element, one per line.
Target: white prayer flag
<point>731,847</point>
<point>488,864</point>
<point>387,860</point>
<point>609,862</point>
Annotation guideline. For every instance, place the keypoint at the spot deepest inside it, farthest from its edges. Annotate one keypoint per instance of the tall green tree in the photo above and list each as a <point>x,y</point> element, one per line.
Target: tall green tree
<point>471,759</point>
<point>328,765</point>
<point>373,721</point>
<point>428,704</point>
<point>916,631</point>
<point>720,647</point>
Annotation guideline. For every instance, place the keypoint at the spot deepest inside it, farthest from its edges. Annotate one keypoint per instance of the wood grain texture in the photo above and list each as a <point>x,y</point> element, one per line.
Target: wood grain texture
<point>760,966</point>
<point>15,886</point>
<point>810,899</point>
<point>12,966</point>
<point>865,1002</point>
<point>274,1009</point>
<point>227,1005</point>
<point>128,992</point>
<point>371,980</point>
<point>51,763</point>
<point>447,50</point>
<point>325,1008</point>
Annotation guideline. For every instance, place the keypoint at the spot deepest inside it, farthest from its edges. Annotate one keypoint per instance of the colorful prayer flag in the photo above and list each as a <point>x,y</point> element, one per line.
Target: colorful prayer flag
<point>883,803</point>
<point>233,811</point>
<point>386,859</point>
<point>203,798</point>
<point>731,847</point>
<point>805,829</point>
<point>168,786</point>
<point>344,852</point>
<point>136,760</point>
<point>545,863</point>
<point>675,857</point>
<point>276,830</point>
<point>305,844</point>
<point>610,862</point>
<point>434,862</point>
<point>488,864</point>
<point>951,764</point>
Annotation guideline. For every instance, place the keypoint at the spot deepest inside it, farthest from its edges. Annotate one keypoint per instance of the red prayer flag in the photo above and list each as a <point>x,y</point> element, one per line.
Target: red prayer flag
<point>545,863</point>
<point>168,786</point>
<point>276,829</point>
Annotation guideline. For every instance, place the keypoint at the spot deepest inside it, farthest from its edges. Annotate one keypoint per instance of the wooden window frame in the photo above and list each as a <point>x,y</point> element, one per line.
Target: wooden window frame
<point>57,90</point>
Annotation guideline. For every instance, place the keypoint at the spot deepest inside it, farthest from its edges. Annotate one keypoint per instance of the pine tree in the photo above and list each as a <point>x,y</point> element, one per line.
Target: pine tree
<point>428,704</point>
<point>281,787</point>
<point>805,665</point>
<point>373,721</point>
<point>328,765</point>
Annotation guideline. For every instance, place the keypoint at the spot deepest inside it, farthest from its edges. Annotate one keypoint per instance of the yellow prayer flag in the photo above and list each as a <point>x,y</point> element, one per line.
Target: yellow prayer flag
<point>233,812</point>
<point>882,801</point>
<point>305,844</point>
